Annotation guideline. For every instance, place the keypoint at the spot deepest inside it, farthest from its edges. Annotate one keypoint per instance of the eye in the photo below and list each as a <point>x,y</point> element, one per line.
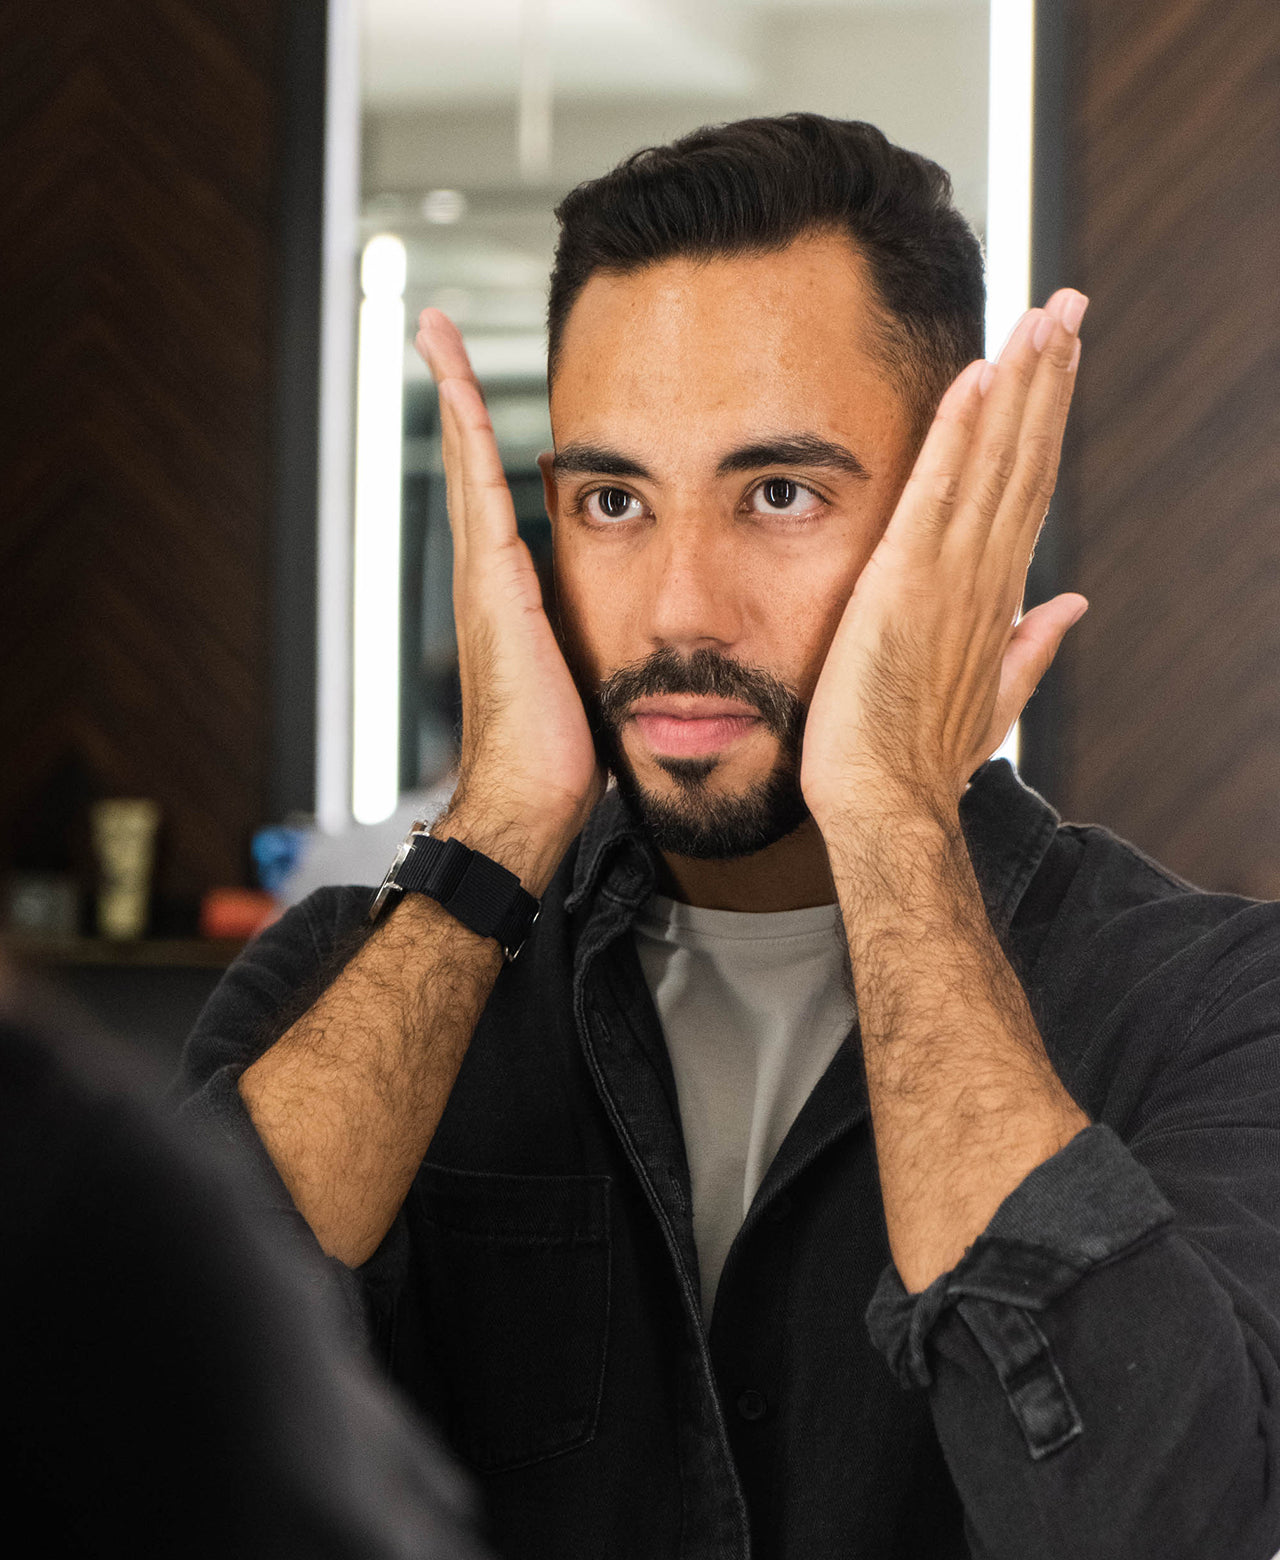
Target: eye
<point>611,505</point>
<point>782,496</point>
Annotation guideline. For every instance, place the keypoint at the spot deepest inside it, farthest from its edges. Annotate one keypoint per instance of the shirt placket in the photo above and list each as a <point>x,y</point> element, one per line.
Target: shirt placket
<point>610,1015</point>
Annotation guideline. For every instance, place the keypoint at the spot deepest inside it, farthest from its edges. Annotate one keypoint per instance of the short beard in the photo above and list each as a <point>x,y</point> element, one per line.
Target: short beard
<point>696,823</point>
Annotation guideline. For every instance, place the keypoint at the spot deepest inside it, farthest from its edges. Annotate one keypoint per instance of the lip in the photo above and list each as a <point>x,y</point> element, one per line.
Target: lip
<point>693,706</point>
<point>692,726</point>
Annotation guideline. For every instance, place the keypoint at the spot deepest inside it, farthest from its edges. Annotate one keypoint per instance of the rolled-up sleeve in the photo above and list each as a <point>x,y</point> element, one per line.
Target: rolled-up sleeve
<point>1103,1363</point>
<point>1094,1202</point>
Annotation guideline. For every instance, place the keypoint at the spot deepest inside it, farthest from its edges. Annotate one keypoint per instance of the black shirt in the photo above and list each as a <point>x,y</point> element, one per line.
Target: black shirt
<point>1098,1376</point>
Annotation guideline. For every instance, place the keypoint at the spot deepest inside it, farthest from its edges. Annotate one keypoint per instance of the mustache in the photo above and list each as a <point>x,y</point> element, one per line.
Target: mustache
<point>705,671</point>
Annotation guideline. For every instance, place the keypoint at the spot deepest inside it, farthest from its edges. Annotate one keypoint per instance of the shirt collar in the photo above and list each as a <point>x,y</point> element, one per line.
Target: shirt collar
<point>1007,826</point>
<point>613,844</point>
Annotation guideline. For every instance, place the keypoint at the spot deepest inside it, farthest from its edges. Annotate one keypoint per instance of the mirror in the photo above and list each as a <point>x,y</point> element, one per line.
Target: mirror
<point>475,117</point>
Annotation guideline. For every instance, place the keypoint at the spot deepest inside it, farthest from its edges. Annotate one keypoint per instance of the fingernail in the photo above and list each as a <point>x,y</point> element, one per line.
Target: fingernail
<point>1044,329</point>
<point>1073,311</point>
<point>985,376</point>
<point>1075,356</point>
<point>1017,329</point>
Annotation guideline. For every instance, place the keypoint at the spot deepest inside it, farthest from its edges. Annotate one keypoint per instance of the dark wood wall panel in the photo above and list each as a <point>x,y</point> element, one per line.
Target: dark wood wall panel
<point>1171,705</point>
<point>137,200</point>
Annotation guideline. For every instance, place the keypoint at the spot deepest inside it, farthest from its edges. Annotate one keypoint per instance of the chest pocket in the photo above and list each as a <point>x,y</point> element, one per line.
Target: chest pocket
<point>514,1273</point>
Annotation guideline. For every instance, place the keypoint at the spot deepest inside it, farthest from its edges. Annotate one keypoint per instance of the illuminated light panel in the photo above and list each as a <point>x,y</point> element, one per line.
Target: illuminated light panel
<point>1010,113</point>
<point>338,303</point>
<point>1010,122</point>
<point>375,670</point>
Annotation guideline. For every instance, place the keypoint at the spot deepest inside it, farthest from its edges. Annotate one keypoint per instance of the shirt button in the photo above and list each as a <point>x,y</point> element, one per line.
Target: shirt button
<point>752,1405</point>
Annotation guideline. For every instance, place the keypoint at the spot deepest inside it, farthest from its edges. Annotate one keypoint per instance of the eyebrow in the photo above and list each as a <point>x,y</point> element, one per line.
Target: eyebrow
<point>802,449</point>
<point>597,461</point>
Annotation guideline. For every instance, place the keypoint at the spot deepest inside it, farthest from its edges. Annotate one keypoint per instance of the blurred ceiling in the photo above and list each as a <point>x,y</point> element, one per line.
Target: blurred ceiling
<point>416,53</point>
<point>442,83</point>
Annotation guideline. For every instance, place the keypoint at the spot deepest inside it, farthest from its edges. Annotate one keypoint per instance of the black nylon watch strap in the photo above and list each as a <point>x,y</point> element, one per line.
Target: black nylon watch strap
<point>435,867</point>
<point>479,892</point>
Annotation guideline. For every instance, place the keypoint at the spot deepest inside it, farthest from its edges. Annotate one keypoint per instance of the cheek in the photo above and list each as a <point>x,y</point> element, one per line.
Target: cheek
<point>801,599</point>
<point>583,608</point>
<point>804,622</point>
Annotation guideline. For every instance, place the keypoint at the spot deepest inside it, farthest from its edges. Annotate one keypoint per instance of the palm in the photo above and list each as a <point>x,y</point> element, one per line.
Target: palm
<point>524,729</point>
<point>544,730</point>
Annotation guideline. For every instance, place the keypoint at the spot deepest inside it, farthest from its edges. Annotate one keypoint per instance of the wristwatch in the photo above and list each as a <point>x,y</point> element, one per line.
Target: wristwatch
<point>474,889</point>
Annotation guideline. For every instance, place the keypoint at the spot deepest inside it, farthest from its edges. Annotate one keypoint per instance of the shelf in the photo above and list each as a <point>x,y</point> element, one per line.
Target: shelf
<point>144,953</point>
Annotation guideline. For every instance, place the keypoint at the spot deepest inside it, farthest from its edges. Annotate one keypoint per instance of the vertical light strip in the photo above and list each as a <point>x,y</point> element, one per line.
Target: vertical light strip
<point>340,230</point>
<point>375,662</point>
<point>1010,120</point>
<point>1009,133</point>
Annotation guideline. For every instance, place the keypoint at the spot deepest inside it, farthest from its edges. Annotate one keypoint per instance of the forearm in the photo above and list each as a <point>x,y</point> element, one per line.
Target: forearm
<point>964,1100</point>
<point>347,1101</point>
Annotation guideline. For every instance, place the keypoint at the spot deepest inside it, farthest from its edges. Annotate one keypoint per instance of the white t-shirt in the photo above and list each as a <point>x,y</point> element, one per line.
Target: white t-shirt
<point>753,1008</point>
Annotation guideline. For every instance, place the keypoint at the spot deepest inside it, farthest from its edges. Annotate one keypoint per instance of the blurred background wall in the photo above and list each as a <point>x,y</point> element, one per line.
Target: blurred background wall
<point>141,206</point>
<point>160,182</point>
<point>1169,725</point>
<point>136,286</point>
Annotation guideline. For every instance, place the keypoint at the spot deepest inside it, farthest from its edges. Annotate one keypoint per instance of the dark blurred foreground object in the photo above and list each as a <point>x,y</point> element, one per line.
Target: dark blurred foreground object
<point>171,1385</point>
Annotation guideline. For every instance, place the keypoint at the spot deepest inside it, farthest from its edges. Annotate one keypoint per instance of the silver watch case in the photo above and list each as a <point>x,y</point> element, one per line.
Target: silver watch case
<point>390,884</point>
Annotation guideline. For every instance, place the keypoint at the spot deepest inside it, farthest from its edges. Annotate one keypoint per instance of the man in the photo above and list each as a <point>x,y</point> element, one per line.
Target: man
<point>822,1054</point>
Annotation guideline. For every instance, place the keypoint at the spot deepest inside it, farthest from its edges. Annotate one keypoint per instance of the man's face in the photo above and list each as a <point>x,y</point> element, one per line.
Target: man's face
<point>728,453</point>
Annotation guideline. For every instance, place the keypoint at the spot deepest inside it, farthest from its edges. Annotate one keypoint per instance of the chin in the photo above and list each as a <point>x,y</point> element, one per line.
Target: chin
<point>695,817</point>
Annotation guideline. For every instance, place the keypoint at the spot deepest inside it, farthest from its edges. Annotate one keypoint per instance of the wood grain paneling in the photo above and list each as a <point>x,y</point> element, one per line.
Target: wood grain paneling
<point>136,204</point>
<point>1172,472</point>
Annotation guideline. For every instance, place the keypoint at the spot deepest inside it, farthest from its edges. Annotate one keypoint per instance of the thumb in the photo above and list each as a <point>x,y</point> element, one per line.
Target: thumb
<point>1029,654</point>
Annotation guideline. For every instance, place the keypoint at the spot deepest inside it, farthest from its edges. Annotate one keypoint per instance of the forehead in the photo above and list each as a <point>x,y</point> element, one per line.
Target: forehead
<point>704,349</point>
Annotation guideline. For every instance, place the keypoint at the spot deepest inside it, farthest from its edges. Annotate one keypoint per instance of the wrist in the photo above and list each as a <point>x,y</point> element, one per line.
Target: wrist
<point>885,818</point>
<point>531,848</point>
<point>890,863</point>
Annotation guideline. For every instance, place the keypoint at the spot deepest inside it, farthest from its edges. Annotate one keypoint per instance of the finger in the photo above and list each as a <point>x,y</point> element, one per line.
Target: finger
<point>924,509</point>
<point>993,450</point>
<point>451,455</point>
<point>1068,305</point>
<point>477,505</point>
<point>1025,501</point>
<point>1006,493</point>
<point>439,343</point>
<point>1034,643</point>
<point>473,468</point>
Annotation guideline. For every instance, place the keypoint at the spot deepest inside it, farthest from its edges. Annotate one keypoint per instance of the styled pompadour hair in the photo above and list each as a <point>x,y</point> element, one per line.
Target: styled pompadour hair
<point>759,184</point>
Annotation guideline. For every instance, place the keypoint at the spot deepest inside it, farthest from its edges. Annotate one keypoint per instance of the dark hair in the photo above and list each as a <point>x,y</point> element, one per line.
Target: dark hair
<point>758,185</point>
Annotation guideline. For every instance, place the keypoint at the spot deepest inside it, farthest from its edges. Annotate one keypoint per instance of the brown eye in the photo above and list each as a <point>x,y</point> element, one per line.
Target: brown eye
<point>611,504</point>
<point>784,497</point>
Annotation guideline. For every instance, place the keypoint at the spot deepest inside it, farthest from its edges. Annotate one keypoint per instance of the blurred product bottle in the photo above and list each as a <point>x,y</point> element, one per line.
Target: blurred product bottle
<point>124,841</point>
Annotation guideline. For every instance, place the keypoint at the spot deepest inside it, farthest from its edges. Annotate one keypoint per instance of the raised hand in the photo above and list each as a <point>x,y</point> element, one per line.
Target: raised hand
<point>528,774</point>
<point>931,665</point>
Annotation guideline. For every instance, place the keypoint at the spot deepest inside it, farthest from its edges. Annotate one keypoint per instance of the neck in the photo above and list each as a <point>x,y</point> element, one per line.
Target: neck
<point>791,874</point>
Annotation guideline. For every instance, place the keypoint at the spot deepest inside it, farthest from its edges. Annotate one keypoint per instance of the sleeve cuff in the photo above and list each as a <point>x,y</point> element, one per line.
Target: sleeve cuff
<point>1088,1203</point>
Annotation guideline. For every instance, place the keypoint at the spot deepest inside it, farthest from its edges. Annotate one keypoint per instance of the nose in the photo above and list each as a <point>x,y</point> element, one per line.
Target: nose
<point>695,599</point>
